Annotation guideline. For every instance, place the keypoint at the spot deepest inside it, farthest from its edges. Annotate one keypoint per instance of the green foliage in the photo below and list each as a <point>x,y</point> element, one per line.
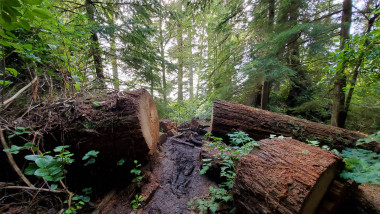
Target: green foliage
<point>239,137</point>
<point>16,149</point>
<point>120,162</point>
<point>136,172</point>
<point>362,166</point>
<point>183,111</point>
<point>78,201</point>
<point>211,203</point>
<point>242,145</point>
<point>51,168</point>
<point>375,137</point>
<point>136,203</point>
<point>206,164</point>
<point>90,157</point>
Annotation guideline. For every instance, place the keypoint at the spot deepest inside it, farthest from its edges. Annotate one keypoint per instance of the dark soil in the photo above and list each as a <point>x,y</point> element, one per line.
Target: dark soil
<point>172,180</point>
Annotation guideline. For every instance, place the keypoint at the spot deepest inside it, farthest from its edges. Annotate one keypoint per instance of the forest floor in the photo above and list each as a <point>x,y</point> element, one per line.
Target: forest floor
<point>173,179</point>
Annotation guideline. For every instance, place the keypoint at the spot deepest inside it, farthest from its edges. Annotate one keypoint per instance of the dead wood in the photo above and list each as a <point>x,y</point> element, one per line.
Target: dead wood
<point>284,176</point>
<point>228,117</point>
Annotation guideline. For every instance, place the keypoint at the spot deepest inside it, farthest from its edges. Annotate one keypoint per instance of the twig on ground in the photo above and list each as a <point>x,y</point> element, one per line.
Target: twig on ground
<point>12,161</point>
<point>8,101</point>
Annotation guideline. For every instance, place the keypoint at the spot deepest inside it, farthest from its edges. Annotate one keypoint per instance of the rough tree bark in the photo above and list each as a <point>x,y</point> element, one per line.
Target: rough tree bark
<point>228,117</point>
<point>284,176</point>
<point>119,125</point>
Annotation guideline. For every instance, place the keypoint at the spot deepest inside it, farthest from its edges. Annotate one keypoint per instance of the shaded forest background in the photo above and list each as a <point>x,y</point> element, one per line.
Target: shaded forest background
<point>317,60</point>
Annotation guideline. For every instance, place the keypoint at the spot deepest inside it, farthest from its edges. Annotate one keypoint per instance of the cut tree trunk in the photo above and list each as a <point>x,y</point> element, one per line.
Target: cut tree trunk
<point>284,176</point>
<point>228,117</point>
<point>120,125</point>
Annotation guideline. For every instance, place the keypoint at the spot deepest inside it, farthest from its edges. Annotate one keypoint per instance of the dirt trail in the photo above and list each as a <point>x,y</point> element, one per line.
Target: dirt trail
<point>177,172</point>
<point>173,179</point>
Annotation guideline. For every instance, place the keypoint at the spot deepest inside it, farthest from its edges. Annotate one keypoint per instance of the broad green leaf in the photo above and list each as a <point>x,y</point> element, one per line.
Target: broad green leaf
<point>53,187</point>
<point>55,170</point>
<point>12,71</point>
<point>42,162</point>
<point>5,83</point>
<point>28,46</point>
<point>91,161</point>
<point>32,157</point>
<point>33,2</point>
<point>41,12</point>
<point>30,169</point>
<point>24,24</point>
<point>49,178</point>
<point>41,172</point>
<point>11,3</point>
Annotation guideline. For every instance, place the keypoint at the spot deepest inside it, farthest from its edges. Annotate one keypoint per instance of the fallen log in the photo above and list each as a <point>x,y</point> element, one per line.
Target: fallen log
<point>228,117</point>
<point>284,176</point>
<point>120,125</point>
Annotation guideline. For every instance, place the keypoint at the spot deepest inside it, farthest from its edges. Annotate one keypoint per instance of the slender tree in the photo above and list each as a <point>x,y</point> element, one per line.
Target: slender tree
<point>337,111</point>
<point>95,47</point>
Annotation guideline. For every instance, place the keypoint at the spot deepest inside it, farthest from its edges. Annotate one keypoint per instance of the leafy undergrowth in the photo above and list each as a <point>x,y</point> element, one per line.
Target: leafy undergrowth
<point>241,144</point>
<point>362,166</point>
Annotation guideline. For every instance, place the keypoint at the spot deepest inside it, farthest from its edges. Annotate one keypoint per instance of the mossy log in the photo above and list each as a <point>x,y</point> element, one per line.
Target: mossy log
<point>284,176</point>
<point>228,117</point>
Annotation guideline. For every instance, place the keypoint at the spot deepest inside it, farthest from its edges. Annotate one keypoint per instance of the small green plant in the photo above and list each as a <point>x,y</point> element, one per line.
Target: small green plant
<point>120,162</point>
<point>90,157</point>
<point>51,168</point>
<point>136,172</point>
<point>210,202</point>
<point>78,201</point>
<point>242,145</point>
<point>324,147</point>
<point>136,203</point>
<point>205,166</point>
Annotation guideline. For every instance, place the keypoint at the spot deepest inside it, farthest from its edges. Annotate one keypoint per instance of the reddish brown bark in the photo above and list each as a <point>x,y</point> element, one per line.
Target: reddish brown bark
<point>228,117</point>
<point>284,176</point>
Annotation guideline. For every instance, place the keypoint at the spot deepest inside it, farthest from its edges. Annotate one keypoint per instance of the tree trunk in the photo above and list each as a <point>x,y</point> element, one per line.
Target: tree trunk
<point>266,84</point>
<point>120,125</point>
<point>162,53</point>
<point>256,94</point>
<point>115,73</point>
<point>338,115</point>
<point>228,117</point>
<point>355,72</point>
<point>190,65</point>
<point>180,61</point>
<point>95,48</point>
<point>265,95</point>
<point>284,176</point>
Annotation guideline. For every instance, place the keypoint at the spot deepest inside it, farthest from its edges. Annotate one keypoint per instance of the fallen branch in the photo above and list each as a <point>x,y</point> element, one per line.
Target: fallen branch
<point>8,101</point>
<point>33,188</point>
<point>12,161</point>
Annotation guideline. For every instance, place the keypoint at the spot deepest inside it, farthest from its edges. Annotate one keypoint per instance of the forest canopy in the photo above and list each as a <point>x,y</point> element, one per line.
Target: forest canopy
<point>317,60</point>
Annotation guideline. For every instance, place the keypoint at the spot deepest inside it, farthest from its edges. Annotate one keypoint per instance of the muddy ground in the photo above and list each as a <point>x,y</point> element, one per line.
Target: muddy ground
<point>172,179</point>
